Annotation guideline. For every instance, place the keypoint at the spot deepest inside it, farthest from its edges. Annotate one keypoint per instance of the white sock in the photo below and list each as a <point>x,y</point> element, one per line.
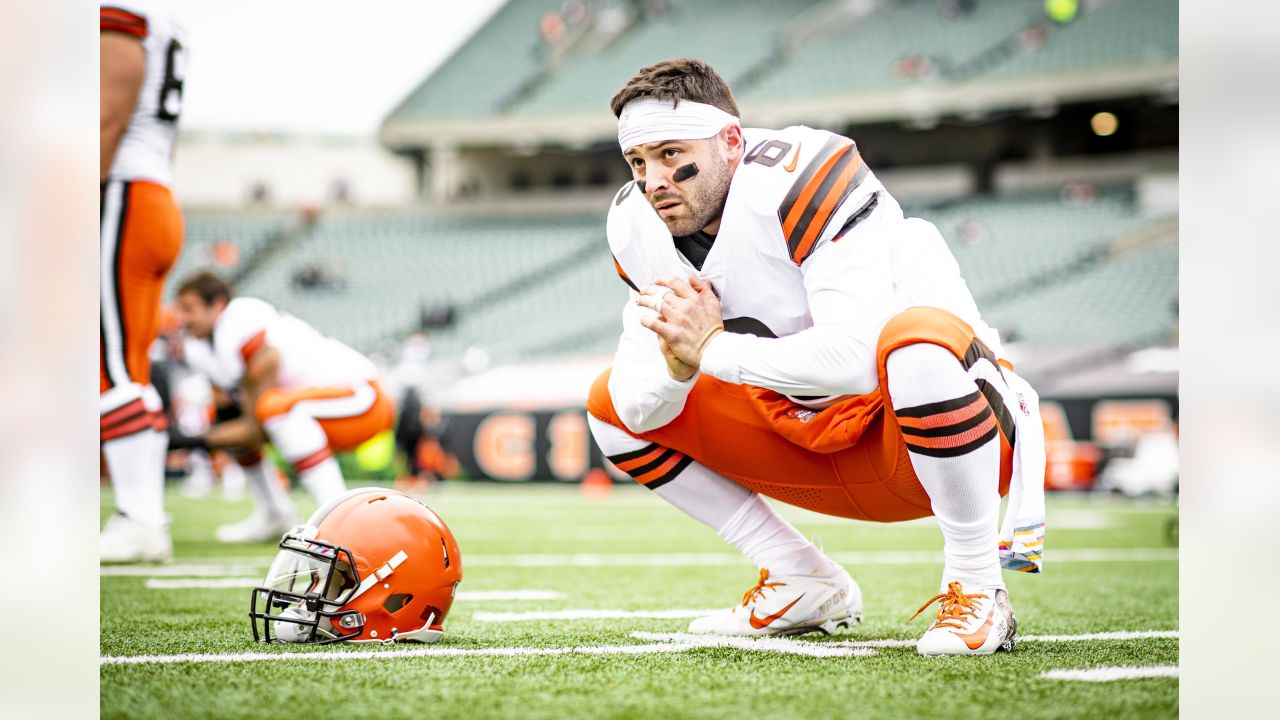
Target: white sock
<point>264,486</point>
<point>772,543</point>
<point>136,459</point>
<point>302,442</point>
<point>958,462</point>
<point>233,481</point>
<point>738,515</point>
<point>323,480</point>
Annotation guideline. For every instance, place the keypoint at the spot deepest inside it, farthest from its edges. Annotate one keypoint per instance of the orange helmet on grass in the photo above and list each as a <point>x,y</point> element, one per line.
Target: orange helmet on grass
<point>372,565</point>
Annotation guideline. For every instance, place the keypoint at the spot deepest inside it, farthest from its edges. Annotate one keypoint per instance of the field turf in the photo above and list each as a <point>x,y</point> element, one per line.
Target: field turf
<point>1110,568</point>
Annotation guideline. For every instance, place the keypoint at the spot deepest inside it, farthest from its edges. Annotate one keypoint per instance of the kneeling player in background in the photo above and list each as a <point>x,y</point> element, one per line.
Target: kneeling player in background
<point>824,351</point>
<point>307,394</point>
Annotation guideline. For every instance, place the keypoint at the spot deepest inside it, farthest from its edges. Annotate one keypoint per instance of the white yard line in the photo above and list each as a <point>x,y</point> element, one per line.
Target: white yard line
<point>497,595</point>
<point>243,567</point>
<point>202,583</point>
<point>388,654</point>
<point>586,614</point>
<point>789,647</point>
<point>1083,637</point>
<point>658,643</point>
<point>1131,635</point>
<point>209,570</point>
<point>768,644</point>
<point>248,582</point>
<point>854,559</point>
<point>1111,674</point>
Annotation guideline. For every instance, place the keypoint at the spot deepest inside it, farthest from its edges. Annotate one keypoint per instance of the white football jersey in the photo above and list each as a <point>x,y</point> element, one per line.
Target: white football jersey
<point>307,358</point>
<point>807,232</point>
<point>146,148</point>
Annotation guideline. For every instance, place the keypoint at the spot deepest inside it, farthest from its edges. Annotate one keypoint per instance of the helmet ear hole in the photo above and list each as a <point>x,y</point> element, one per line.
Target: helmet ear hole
<point>395,603</point>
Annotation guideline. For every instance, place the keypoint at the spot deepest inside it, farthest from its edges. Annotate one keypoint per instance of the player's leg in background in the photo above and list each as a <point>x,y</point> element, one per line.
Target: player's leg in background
<point>273,509</point>
<point>140,237</point>
<point>300,440</point>
<point>307,425</point>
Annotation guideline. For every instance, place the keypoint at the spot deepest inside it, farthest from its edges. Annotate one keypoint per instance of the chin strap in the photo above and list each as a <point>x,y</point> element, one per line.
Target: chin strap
<point>424,634</point>
<point>380,574</point>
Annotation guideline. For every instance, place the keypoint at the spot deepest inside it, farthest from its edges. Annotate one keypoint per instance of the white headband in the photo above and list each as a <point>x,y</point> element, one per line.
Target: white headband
<point>648,119</point>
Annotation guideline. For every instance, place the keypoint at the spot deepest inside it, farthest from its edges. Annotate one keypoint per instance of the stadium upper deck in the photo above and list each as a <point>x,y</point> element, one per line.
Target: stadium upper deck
<point>803,61</point>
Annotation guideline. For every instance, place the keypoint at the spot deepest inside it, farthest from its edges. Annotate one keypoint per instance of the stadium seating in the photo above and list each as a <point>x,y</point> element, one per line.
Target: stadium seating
<point>1040,265</point>
<point>1127,301</point>
<point>865,56</point>
<point>385,268</point>
<point>748,41</point>
<point>732,35</point>
<point>1118,33</point>
<point>577,310</point>
<point>1001,243</point>
<point>505,53</point>
<point>248,229</point>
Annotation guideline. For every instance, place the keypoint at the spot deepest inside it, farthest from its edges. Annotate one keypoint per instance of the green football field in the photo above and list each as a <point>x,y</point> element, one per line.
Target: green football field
<point>573,606</point>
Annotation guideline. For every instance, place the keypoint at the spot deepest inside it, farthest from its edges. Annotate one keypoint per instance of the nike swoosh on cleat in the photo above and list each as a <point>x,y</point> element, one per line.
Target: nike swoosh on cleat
<point>791,166</point>
<point>759,623</point>
<point>975,639</point>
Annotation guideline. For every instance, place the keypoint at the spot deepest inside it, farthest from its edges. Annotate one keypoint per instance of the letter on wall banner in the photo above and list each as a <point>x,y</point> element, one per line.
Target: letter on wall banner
<point>504,446</point>
<point>522,445</point>
<point>569,455</point>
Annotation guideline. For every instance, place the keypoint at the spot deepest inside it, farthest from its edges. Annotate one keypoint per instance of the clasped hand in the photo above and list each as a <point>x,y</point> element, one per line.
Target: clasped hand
<point>688,317</point>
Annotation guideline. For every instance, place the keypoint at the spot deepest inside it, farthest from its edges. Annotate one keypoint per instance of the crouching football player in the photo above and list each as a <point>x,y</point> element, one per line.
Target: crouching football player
<point>790,333</point>
<point>305,393</point>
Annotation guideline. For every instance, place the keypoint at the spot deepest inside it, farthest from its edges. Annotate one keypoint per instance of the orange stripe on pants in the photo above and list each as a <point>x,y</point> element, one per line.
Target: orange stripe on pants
<point>344,433</point>
<point>869,478</point>
<point>143,250</point>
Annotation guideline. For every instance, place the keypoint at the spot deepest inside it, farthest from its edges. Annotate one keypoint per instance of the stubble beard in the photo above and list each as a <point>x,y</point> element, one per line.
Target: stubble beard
<point>706,202</point>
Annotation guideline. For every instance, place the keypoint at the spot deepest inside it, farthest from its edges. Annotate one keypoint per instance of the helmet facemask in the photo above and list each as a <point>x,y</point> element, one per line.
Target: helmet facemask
<point>309,583</point>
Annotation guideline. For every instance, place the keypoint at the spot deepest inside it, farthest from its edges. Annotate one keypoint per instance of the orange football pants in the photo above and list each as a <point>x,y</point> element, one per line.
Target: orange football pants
<point>345,426</point>
<point>140,237</point>
<point>766,443</point>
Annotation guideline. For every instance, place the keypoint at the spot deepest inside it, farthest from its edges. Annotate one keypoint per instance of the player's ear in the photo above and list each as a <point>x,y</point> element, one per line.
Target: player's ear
<point>731,136</point>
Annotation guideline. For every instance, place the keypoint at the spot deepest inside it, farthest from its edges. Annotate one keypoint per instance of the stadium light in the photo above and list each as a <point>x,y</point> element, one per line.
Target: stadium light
<point>1104,124</point>
<point>1062,11</point>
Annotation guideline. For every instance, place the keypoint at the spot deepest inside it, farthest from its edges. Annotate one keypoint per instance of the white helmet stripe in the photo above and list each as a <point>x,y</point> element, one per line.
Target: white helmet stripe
<point>379,575</point>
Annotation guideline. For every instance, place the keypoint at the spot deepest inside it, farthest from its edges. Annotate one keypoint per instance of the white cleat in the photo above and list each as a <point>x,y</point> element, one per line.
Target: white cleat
<point>125,540</point>
<point>977,624</point>
<point>789,605</point>
<point>261,526</point>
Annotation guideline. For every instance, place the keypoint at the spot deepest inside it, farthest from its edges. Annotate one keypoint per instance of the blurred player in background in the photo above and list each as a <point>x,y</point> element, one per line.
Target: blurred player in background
<point>307,394</point>
<point>142,62</point>
<point>789,332</point>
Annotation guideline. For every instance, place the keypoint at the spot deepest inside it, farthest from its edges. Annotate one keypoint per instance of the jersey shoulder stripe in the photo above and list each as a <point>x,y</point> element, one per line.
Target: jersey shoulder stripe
<point>252,346</point>
<point>623,274</point>
<point>829,178</point>
<point>119,20</point>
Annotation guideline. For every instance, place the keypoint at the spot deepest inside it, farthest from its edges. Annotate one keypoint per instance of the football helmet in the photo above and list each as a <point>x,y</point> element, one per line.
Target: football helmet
<point>372,565</point>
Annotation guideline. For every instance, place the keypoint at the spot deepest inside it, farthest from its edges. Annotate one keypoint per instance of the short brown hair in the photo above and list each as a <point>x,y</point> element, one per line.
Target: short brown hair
<point>207,285</point>
<point>678,79</point>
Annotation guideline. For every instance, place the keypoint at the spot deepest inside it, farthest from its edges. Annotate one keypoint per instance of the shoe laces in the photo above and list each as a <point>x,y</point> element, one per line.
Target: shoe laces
<point>760,587</point>
<point>956,607</point>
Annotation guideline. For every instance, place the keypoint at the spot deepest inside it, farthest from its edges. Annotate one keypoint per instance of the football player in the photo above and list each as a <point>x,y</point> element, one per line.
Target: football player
<point>307,394</point>
<point>790,333</point>
<point>142,58</point>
